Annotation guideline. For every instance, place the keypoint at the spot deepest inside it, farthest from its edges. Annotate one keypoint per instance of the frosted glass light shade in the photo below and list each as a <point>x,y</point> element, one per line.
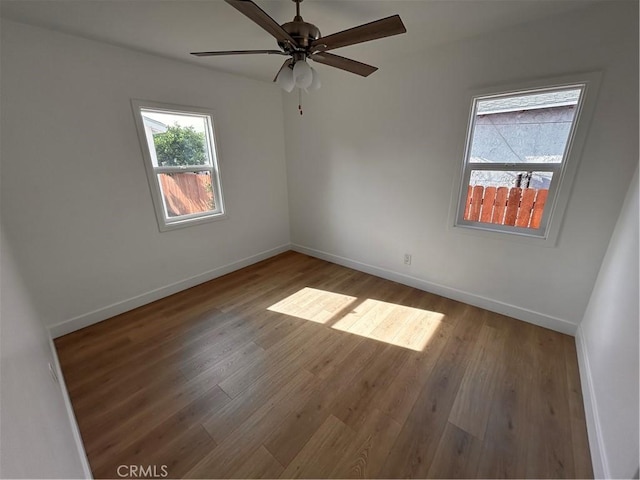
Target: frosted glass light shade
<point>285,79</point>
<point>315,80</point>
<point>302,74</point>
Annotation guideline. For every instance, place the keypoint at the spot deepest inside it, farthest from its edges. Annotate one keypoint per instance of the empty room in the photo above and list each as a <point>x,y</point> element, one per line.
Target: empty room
<point>319,239</point>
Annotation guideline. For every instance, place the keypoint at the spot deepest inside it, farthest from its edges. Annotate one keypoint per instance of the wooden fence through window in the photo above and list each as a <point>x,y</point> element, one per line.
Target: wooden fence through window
<point>520,207</point>
<point>186,193</point>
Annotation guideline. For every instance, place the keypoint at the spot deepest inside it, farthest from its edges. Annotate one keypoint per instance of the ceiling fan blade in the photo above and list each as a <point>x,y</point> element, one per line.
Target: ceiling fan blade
<point>385,27</point>
<point>286,64</point>
<point>259,16</point>
<point>237,52</point>
<point>343,63</point>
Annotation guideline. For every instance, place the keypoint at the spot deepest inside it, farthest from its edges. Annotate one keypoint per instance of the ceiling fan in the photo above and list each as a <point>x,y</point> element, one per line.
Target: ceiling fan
<point>302,41</point>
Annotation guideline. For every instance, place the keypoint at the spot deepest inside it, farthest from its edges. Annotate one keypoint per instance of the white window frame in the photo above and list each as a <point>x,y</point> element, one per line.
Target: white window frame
<point>165,222</point>
<point>563,173</point>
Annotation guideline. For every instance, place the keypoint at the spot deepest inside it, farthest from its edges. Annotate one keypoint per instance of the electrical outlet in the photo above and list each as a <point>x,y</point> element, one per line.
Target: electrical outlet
<point>407,259</point>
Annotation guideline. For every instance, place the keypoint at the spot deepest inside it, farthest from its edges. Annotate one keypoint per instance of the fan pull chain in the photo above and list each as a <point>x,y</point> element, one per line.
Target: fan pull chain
<point>300,100</point>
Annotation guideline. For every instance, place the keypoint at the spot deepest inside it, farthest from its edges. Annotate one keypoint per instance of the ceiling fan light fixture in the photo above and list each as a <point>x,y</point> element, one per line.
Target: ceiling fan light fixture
<point>302,74</point>
<point>315,80</point>
<point>285,79</point>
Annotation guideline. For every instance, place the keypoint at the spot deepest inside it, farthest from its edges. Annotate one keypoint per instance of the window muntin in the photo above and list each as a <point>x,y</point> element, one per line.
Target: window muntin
<point>178,146</point>
<point>517,148</point>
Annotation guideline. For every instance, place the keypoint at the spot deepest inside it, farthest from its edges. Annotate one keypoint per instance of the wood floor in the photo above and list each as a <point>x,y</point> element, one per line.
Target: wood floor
<point>296,367</point>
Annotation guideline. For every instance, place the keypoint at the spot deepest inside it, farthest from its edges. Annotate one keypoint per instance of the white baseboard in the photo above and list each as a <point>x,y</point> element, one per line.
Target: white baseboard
<point>594,430</point>
<point>114,309</point>
<point>72,418</point>
<point>526,315</point>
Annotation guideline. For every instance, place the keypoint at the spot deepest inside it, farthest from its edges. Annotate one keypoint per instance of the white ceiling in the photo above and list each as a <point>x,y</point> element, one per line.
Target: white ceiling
<point>173,28</point>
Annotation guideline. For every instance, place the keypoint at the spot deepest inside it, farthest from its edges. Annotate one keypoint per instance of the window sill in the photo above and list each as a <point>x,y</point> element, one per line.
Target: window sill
<point>190,222</point>
<point>518,237</point>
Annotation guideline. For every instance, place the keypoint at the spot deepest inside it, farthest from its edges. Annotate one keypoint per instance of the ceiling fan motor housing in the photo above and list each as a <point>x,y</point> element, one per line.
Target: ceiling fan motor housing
<point>304,33</point>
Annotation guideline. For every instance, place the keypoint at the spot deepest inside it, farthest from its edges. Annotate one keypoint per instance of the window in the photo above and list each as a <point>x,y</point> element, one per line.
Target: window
<point>178,146</point>
<point>519,147</point>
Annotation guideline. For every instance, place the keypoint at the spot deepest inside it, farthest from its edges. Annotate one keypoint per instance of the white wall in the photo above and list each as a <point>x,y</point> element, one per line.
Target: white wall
<point>372,161</point>
<point>75,198</point>
<point>36,439</point>
<point>608,350</point>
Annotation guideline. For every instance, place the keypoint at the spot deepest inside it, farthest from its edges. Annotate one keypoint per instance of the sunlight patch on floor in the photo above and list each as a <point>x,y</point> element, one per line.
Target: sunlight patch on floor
<point>399,325</point>
<point>312,304</point>
<point>406,327</point>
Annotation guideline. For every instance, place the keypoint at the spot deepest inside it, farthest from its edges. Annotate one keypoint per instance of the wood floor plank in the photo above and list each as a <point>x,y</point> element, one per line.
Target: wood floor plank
<point>418,441</point>
<point>366,453</point>
<point>189,358</point>
<point>351,317</point>
<point>275,358</point>
<point>104,445</point>
<point>372,319</point>
<point>415,298</point>
<point>318,457</point>
<point>261,464</point>
<point>552,458</point>
<point>508,432</point>
<point>238,447</point>
<point>148,393</point>
<point>296,367</point>
<point>416,332</point>
<point>179,454</point>
<point>252,298</point>
<point>186,316</point>
<point>140,449</point>
<point>398,400</point>
<point>356,398</point>
<point>183,452</point>
<point>470,411</point>
<point>222,423</point>
<point>281,326</point>
<point>149,409</point>
<point>299,425</point>
<point>457,455</point>
<point>148,353</point>
<point>390,326</point>
<point>333,355</point>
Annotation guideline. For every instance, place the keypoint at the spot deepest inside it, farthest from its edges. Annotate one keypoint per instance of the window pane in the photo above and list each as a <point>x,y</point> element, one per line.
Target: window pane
<point>527,128</point>
<point>187,193</point>
<point>177,139</point>
<point>515,198</point>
